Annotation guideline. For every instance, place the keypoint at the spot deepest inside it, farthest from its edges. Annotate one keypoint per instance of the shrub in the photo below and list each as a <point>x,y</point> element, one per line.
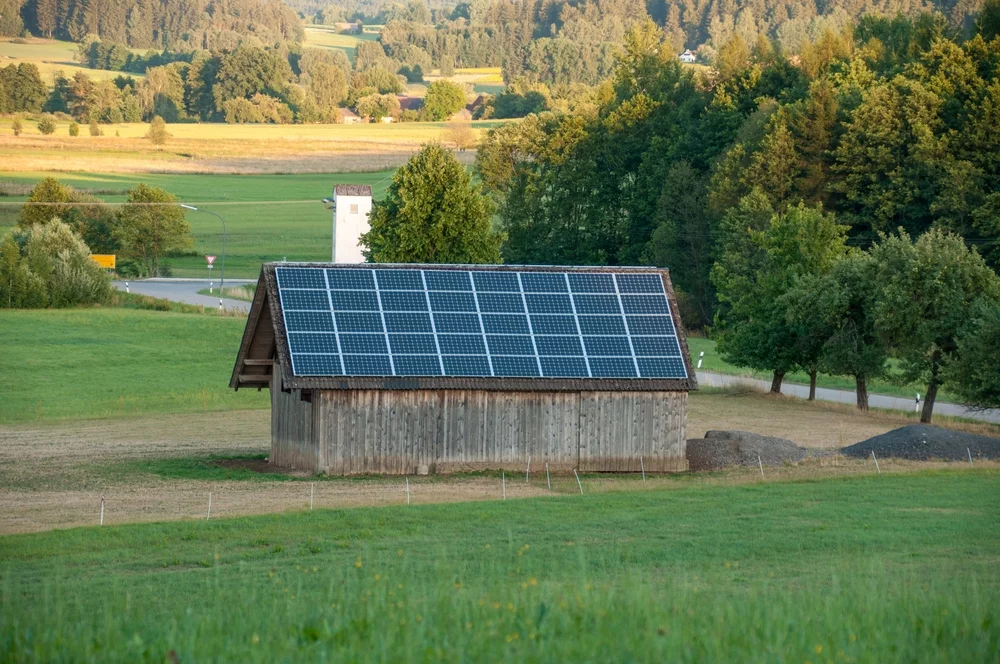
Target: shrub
<point>95,129</point>
<point>46,125</point>
<point>74,129</point>
<point>157,133</point>
<point>17,125</point>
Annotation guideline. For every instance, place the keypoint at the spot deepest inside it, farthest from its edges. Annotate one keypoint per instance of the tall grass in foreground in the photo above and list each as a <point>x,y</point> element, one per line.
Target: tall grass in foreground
<point>868,569</point>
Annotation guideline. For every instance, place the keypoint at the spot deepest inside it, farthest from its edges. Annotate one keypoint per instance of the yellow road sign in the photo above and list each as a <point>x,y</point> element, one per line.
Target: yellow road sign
<point>104,260</point>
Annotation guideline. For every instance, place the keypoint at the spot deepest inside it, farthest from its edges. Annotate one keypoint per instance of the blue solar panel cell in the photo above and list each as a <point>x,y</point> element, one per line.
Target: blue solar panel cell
<point>501,302</point>
<point>549,304</point>
<point>363,344</point>
<point>315,300</point>
<point>553,325</point>
<point>661,367</point>
<point>613,346</point>
<point>455,323</point>
<point>452,302</point>
<point>591,283</point>
<point>652,325</point>
<point>645,304</point>
<point>417,365</point>
<point>462,344</point>
<point>506,324</point>
<point>312,342</point>
<point>558,345</point>
<point>466,365</point>
<point>602,325</point>
<point>413,344</point>
<point>510,344</point>
<point>478,323</point>
<point>367,365</point>
<point>408,322</point>
<point>304,364</point>
<point>498,282</point>
<point>504,365</point>
<point>597,304</point>
<point>292,277</point>
<point>563,367</point>
<point>612,367</point>
<point>639,283</point>
<point>447,280</point>
<point>358,322</point>
<point>351,279</point>
<point>399,280</point>
<point>656,346</point>
<point>542,282</point>
<point>309,321</point>
<point>354,300</point>
<point>403,301</point>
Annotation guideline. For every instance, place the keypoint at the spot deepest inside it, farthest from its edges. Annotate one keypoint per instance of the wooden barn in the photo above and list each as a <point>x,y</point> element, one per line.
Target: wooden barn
<point>399,369</point>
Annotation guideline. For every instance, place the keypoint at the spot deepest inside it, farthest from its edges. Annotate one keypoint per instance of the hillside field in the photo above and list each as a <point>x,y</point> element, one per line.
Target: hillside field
<point>50,56</point>
<point>791,571</point>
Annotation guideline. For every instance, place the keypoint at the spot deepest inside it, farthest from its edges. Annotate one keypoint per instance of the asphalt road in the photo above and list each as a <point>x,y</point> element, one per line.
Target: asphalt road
<point>881,401</point>
<point>186,290</point>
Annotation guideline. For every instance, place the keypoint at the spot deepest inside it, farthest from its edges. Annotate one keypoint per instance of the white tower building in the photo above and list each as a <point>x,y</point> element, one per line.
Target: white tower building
<point>352,203</point>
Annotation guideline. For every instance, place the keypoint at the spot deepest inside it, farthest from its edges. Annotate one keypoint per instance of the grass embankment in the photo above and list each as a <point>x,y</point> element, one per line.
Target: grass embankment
<point>111,362</point>
<point>865,569</point>
<point>51,56</point>
<point>268,217</point>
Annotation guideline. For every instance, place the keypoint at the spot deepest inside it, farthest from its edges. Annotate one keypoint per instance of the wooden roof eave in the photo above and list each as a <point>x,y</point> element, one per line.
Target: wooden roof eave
<point>239,376</point>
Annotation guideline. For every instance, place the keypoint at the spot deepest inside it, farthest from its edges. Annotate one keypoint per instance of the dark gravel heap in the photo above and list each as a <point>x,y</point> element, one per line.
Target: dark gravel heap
<point>920,442</point>
<point>721,449</point>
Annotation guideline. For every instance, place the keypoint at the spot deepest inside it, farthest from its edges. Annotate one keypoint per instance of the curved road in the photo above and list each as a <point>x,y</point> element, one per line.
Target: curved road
<point>186,290</point>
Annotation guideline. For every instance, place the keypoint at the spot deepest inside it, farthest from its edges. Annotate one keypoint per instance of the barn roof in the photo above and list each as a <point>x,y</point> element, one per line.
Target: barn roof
<point>353,190</point>
<point>487,327</point>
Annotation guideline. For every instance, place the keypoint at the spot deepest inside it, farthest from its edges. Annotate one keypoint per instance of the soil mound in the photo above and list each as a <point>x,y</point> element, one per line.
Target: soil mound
<point>721,449</point>
<point>920,442</point>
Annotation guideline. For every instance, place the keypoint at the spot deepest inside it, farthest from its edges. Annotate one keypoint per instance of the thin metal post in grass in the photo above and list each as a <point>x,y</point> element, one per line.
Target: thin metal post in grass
<point>761,464</point>
<point>578,481</point>
<point>527,471</point>
<point>503,482</point>
<point>312,485</point>
<point>102,509</point>
<point>209,515</point>
<point>548,480</point>
<point>642,467</point>
<point>969,452</point>
<point>407,490</point>
<point>876,463</point>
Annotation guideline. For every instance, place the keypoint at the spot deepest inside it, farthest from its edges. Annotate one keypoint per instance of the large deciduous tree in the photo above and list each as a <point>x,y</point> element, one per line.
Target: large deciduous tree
<point>432,213</point>
<point>925,294</point>
<point>150,226</point>
<point>443,100</point>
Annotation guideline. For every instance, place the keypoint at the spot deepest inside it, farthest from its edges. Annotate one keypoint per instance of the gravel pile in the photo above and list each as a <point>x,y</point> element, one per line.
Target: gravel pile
<point>920,442</point>
<point>721,449</point>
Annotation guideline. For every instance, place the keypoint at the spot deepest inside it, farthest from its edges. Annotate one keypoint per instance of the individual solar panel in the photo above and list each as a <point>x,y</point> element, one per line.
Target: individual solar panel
<point>478,323</point>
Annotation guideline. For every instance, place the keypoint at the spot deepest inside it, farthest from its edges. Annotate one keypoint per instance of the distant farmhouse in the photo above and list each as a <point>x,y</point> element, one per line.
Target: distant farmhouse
<point>688,57</point>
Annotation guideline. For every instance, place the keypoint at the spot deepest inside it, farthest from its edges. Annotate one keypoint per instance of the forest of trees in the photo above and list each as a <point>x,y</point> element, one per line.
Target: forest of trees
<point>176,24</point>
<point>758,182</point>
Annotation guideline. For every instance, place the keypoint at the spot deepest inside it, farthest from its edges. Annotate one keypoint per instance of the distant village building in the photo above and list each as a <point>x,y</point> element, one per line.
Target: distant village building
<point>349,116</point>
<point>352,205</point>
<point>407,103</point>
<point>688,57</point>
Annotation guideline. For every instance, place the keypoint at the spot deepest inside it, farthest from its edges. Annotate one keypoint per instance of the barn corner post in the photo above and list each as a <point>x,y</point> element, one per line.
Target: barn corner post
<point>390,368</point>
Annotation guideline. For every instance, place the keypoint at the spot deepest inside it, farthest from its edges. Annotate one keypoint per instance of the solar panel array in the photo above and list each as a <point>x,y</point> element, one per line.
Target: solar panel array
<point>478,323</point>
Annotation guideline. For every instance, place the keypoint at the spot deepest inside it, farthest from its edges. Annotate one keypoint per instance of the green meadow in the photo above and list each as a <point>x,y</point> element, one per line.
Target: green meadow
<point>864,569</point>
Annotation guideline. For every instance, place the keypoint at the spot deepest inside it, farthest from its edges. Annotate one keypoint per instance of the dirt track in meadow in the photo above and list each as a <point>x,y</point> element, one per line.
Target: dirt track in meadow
<point>52,476</point>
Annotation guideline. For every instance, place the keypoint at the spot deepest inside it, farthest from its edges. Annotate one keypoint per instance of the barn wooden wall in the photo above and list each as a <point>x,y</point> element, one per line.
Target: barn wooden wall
<point>293,444</point>
<point>394,431</point>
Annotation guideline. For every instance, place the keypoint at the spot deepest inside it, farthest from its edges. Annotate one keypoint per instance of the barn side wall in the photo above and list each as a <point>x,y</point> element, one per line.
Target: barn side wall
<point>293,442</point>
<point>395,431</point>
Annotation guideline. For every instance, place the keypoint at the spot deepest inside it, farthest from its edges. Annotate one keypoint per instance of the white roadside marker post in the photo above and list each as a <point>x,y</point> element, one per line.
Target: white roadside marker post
<point>701,356</point>
<point>916,406</point>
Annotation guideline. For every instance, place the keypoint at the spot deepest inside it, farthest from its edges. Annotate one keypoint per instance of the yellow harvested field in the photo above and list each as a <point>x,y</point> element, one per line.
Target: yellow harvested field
<point>221,148</point>
<point>50,56</point>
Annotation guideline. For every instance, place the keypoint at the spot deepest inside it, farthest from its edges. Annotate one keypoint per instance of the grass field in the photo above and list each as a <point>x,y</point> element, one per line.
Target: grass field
<point>323,36</point>
<point>223,148</point>
<point>50,56</point>
<point>863,569</point>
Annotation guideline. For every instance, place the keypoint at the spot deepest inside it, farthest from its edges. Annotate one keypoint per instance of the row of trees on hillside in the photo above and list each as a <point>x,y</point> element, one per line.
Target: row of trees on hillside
<point>178,24</point>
